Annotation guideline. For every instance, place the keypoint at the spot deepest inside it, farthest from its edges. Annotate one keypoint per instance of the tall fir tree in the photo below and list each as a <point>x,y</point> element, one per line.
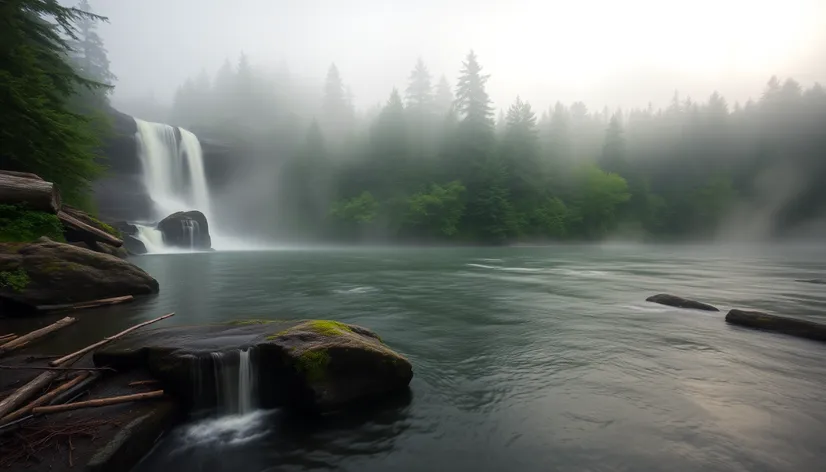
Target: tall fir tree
<point>40,133</point>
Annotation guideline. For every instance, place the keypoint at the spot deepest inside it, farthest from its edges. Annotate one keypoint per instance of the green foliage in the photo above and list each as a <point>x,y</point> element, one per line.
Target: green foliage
<point>437,211</point>
<point>16,280</point>
<point>595,208</point>
<point>359,210</point>
<point>18,224</point>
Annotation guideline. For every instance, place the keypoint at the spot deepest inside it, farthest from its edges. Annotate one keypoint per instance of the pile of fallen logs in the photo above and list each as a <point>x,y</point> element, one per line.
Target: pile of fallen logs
<point>36,398</point>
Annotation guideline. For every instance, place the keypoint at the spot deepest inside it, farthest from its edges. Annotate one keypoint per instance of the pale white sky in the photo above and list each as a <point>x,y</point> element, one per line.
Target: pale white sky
<point>604,52</point>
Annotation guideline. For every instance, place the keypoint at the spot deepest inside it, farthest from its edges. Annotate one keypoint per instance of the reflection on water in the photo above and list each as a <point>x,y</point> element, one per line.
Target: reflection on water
<point>528,359</point>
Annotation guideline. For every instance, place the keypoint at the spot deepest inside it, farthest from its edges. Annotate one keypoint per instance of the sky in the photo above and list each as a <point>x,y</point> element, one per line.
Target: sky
<point>603,52</point>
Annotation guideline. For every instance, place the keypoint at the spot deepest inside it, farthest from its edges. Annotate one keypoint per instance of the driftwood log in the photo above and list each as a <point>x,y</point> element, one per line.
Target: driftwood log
<point>7,337</point>
<point>35,194</point>
<point>96,345</point>
<point>92,233</point>
<point>22,394</point>
<point>24,175</point>
<point>44,399</point>
<point>85,305</point>
<point>43,410</point>
<point>27,338</point>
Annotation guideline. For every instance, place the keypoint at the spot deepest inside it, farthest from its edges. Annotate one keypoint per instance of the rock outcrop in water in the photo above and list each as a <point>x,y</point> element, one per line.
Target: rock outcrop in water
<point>47,273</point>
<point>317,365</point>
<point>187,229</point>
<point>679,302</point>
<point>780,324</point>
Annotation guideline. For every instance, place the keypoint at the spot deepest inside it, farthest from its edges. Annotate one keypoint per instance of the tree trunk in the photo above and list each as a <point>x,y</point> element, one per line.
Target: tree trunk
<point>37,195</point>
<point>90,232</point>
<point>27,338</point>
<point>98,402</point>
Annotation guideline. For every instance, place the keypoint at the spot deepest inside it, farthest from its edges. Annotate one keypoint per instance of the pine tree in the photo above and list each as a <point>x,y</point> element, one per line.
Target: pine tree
<point>472,101</point>
<point>39,132</point>
<point>419,93</point>
<point>420,111</point>
<point>613,148</point>
<point>88,53</point>
<point>336,107</point>
<point>443,100</point>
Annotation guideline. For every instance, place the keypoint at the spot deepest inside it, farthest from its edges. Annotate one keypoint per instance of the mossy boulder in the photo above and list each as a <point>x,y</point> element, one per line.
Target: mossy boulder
<point>61,273</point>
<point>315,365</point>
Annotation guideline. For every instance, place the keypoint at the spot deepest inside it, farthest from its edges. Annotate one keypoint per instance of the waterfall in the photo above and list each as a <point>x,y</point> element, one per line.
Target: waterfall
<point>173,174</point>
<point>246,385</point>
<point>152,238</point>
<point>234,380</point>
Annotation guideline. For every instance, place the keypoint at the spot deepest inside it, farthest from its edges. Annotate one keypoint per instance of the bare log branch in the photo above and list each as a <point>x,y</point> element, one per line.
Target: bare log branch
<point>97,402</point>
<point>91,232</point>
<point>86,349</point>
<point>85,305</point>
<point>27,338</point>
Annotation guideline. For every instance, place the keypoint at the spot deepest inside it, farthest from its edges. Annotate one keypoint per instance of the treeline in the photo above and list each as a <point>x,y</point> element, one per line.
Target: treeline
<point>432,163</point>
<point>54,81</point>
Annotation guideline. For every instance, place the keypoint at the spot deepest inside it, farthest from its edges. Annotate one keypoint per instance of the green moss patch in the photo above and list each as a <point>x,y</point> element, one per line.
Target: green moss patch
<point>16,280</point>
<point>19,224</point>
<point>329,328</point>
<point>313,364</point>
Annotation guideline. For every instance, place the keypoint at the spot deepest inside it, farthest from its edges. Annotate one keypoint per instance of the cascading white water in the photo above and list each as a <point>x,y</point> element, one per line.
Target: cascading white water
<point>234,382</point>
<point>246,383</point>
<point>173,174</point>
<point>151,238</point>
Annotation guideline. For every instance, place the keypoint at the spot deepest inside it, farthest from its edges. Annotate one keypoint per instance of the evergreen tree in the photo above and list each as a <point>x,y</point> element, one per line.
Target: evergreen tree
<point>336,107</point>
<point>443,100</point>
<point>39,132</point>
<point>420,111</point>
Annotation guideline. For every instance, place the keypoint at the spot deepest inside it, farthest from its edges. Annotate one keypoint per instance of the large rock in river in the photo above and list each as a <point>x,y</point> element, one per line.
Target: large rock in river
<point>47,273</point>
<point>318,365</point>
<point>679,302</point>
<point>187,229</point>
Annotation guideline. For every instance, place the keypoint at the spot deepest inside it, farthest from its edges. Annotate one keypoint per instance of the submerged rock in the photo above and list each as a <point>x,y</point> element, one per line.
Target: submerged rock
<point>48,273</point>
<point>317,365</point>
<point>679,302</point>
<point>813,281</point>
<point>781,324</point>
<point>188,229</point>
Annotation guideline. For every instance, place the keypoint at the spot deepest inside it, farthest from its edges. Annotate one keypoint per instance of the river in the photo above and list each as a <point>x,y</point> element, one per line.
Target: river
<point>525,359</point>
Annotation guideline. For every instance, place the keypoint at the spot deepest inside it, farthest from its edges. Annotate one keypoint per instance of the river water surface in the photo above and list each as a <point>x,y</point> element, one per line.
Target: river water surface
<point>525,359</point>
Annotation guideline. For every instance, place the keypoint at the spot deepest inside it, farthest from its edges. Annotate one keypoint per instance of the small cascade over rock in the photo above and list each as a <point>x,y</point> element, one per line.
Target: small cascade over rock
<point>225,380</point>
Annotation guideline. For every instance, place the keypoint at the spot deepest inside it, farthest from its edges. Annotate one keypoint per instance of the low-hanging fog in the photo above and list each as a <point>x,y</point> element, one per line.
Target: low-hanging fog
<point>369,120</point>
